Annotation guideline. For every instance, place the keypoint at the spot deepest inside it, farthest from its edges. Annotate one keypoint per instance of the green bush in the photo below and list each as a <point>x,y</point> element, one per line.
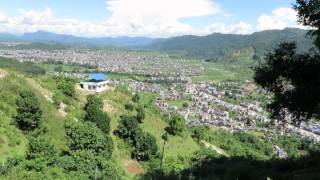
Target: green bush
<point>145,146</point>
<point>66,86</point>
<point>29,113</point>
<point>95,114</point>
<point>127,127</point>
<point>86,136</point>
<point>40,147</point>
<point>176,125</point>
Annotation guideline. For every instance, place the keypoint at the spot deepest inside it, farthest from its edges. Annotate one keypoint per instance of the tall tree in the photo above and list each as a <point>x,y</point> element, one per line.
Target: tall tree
<point>176,125</point>
<point>29,113</point>
<point>86,136</point>
<point>95,114</point>
<point>309,15</point>
<point>128,127</point>
<point>294,78</point>
<point>145,146</point>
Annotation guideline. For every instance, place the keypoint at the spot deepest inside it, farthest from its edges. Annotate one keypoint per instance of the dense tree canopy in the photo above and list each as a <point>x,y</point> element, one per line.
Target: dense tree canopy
<point>95,114</point>
<point>176,125</point>
<point>309,15</point>
<point>29,113</point>
<point>144,146</point>
<point>66,85</point>
<point>86,136</point>
<point>295,81</point>
<point>294,78</point>
<point>95,101</point>
<point>140,114</point>
<point>127,127</point>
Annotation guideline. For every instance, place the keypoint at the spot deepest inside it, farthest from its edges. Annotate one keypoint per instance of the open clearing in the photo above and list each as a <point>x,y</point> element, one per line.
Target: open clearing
<point>62,109</point>
<point>44,92</point>
<point>215,148</point>
<point>3,73</point>
<point>133,167</point>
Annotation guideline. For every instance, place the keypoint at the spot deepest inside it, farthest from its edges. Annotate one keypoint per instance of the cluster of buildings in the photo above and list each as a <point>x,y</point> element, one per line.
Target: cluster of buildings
<point>133,62</point>
<point>206,105</point>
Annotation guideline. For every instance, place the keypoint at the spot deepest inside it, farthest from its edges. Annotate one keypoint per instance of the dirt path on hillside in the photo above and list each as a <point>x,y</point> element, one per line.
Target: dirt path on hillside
<point>215,148</point>
<point>3,73</point>
<point>62,109</point>
<point>133,167</point>
<point>44,92</point>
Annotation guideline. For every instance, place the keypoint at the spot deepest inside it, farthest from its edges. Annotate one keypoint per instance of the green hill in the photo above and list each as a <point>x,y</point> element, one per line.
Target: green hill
<point>68,145</point>
<point>218,46</point>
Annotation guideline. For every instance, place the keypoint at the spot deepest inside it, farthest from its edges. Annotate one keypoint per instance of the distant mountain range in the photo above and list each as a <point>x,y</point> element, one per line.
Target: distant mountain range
<point>47,37</point>
<point>211,47</point>
<point>218,46</point>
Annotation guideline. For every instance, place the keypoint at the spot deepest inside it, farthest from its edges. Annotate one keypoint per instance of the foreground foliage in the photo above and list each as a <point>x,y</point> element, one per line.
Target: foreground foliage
<point>293,77</point>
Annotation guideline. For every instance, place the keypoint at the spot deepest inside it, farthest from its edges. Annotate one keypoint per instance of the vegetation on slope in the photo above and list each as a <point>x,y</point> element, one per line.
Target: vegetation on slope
<point>221,47</point>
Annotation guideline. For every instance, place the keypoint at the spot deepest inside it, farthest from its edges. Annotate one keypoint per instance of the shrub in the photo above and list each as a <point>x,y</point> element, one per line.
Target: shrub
<point>176,125</point>
<point>95,114</point>
<point>136,98</point>
<point>127,127</point>
<point>29,113</point>
<point>88,137</point>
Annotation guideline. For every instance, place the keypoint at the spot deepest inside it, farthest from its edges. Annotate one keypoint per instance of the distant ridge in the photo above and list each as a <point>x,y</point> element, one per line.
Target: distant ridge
<point>217,45</point>
<point>47,37</point>
<point>212,47</point>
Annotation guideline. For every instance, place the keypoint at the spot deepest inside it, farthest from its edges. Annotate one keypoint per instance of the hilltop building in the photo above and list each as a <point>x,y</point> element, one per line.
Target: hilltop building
<point>98,82</point>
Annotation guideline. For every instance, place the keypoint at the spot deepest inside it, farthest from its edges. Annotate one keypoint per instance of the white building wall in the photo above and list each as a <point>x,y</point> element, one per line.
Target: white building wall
<point>95,86</point>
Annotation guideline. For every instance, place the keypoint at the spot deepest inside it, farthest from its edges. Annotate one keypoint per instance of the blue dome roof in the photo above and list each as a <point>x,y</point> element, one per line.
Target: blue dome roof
<point>98,77</point>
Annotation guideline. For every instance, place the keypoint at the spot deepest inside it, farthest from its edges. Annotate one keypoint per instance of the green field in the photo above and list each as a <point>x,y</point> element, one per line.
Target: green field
<point>62,67</point>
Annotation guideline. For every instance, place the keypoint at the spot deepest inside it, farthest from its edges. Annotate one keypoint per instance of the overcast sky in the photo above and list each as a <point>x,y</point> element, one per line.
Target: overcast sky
<point>154,18</point>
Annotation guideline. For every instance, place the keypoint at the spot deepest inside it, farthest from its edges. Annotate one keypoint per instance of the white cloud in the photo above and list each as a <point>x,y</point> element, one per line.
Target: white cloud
<point>157,17</point>
<point>128,17</point>
<point>145,18</point>
<point>239,28</point>
<point>279,19</point>
<point>33,17</point>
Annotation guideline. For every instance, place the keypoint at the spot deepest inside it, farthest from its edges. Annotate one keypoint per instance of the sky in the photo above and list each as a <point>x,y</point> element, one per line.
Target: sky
<point>151,18</point>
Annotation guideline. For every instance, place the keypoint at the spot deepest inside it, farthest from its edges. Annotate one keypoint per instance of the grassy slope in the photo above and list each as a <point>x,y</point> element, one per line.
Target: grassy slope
<point>13,142</point>
<point>65,68</point>
<point>238,67</point>
<point>154,123</point>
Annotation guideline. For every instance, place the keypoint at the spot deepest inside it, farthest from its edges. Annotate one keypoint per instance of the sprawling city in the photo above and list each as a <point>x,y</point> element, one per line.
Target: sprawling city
<point>158,101</point>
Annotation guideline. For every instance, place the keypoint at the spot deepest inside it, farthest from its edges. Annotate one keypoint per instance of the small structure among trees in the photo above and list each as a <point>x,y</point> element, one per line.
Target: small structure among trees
<point>98,82</point>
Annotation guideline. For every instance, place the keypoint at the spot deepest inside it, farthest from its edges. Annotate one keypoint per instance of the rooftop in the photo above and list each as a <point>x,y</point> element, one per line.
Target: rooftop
<point>98,77</point>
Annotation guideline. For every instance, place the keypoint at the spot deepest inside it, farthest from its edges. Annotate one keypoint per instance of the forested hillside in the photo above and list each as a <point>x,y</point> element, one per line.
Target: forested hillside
<point>223,46</point>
